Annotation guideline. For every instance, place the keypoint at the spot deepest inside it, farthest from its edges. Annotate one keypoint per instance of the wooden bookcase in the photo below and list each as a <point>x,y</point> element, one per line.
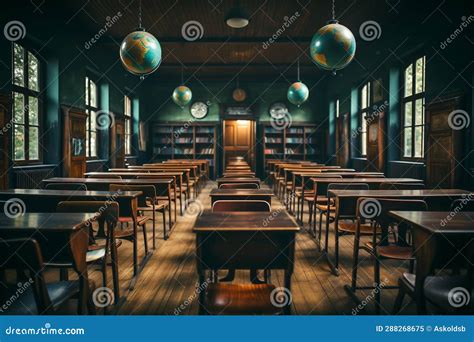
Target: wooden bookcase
<point>300,141</point>
<point>185,141</point>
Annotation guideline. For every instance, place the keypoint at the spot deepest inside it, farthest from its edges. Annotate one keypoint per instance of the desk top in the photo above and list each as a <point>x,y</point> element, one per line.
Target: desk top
<point>241,192</point>
<point>45,221</point>
<point>336,173</point>
<point>69,193</point>
<point>438,222</point>
<point>399,193</point>
<point>109,180</point>
<point>238,179</point>
<point>136,173</point>
<point>366,180</point>
<point>245,221</point>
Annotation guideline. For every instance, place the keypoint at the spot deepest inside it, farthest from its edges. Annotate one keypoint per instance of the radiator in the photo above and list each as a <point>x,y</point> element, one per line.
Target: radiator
<point>25,178</point>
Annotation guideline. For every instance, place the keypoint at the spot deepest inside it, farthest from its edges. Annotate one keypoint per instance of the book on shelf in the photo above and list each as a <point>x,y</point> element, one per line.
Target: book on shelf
<point>204,140</point>
<point>207,151</point>
<point>294,130</point>
<point>294,140</point>
<point>179,150</point>
<point>272,140</point>
<point>183,140</point>
<point>204,129</point>
<point>272,151</point>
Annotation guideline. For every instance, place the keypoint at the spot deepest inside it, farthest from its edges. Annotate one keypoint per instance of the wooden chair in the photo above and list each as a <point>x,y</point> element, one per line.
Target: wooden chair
<point>238,186</point>
<point>39,297</point>
<point>175,193</point>
<point>232,249</point>
<point>465,204</point>
<point>66,186</point>
<point>401,186</point>
<point>368,176</point>
<point>104,176</point>
<point>320,201</point>
<point>240,205</point>
<point>381,248</point>
<point>132,234</point>
<point>108,213</point>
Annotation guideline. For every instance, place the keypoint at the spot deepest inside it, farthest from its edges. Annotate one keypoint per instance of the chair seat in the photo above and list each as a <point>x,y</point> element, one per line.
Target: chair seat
<point>307,193</point>
<point>437,288</point>
<point>324,207</point>
<point>140,219</point>
<point>240,299</point>
<point>393,251</point>
<point>350,227</point>
<point>59,292</point>
<point>158,206</point>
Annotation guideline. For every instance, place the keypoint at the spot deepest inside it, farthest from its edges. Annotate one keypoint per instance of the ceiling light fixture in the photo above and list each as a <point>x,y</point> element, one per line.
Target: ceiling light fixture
<point>237,17</point>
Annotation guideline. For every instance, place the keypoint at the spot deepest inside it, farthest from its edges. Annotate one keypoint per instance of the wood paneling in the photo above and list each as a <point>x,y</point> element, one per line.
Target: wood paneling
<point>376,141</point>
<point>239,140</point>
<point>5,129</point>
<point>117,143</point>
<point>74,142</point>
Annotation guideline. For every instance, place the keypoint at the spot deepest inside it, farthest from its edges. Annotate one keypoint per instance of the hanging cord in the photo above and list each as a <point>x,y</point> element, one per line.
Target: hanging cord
<point>182,75</point>
<point>140,15</point>
<point>298,70</point>
<point>333,9</point>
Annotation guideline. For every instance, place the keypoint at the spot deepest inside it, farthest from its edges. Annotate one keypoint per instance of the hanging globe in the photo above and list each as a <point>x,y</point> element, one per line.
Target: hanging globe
<point>333,47</point>
<point>140,53</point>
<point>182,95</point>
<point>298,93</point>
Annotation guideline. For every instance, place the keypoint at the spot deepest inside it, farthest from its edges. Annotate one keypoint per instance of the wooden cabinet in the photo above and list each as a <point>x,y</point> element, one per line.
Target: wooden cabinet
<point>6,128</point>
<point>342,140</point>
<point>117,143</point>
<point>74,142</point>
<point>444,151</point>
<point>376,141</point>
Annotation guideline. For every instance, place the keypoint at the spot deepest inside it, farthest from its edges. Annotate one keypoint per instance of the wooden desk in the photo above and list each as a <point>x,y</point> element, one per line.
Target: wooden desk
<point>63,238</point>
<point>254,180</point>
<point>241,194</point>
<point>373,183</point>
<point>437,241</point>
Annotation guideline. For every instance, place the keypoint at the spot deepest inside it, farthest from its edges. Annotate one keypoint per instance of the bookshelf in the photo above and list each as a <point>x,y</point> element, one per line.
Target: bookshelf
<point>185,141</point>
<point>301,141</point>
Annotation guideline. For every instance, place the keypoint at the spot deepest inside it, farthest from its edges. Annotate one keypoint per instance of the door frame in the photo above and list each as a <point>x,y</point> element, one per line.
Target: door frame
<point>253,137</point>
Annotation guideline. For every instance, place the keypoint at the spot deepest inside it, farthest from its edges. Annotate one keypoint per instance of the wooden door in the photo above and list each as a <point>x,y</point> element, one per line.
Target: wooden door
<point>117,143</point>
<point>443,144</point>
<point>5,129</point>
<point>239,140</point>
<point>342,140</point>
<point>74,142</point>
<point>376,141</point>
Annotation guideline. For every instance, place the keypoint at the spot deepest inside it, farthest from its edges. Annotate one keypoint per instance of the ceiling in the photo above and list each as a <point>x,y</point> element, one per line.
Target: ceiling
<point>222,50</point>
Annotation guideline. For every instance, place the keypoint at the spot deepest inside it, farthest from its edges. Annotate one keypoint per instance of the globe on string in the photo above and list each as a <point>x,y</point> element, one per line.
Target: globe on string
<point>182,95</point>
<point>333,47</point>
<point>140,53</point>
<point>298,93</point>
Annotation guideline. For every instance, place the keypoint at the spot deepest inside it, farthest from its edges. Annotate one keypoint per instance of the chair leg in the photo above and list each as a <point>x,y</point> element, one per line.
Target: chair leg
<point>230,275</point>
<point>135,252</point>
<point>165,235</point>
<point>377,285</point>
<point>398,301</point>
<point>154,230</point>
<point>115,271</point>
<point>63,274</point>
<point>145,240</point>
<point>336,237</point>
<point>355,261</point>
<point>310,206</point>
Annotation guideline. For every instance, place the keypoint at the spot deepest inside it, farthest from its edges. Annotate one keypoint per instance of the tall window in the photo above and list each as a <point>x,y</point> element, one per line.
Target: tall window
<point>92,107</point>
<point>128,124</point>
<point>364,111</point>
<point>26,105</point>
<point>337,108</point>
<point>414,110</point>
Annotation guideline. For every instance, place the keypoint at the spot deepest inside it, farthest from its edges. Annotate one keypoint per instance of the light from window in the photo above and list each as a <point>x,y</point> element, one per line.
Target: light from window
<point>414,109</point>
<point>365,101</point>
<point>26,105</point>
<point>337,108</point>
<point>128,124</point>
<point>92,100</point>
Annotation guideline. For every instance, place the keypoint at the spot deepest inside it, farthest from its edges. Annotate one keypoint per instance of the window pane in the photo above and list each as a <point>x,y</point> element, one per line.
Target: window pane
<point>363,103</point>
<point>408,114</point>
<point>33,78</point>
<point>363,143</point>
<point>93,144</point>
<point>420,67</point>
<point>87,91</point>
<point>87,121</point>
<point>127,126</point>
<point>33,143</point>
<point>409,80</point>
<point>418,142</point>
<point>363,123</point>
<point>419,112</point>
<point>337,108</point>
<point>93,94</point>
<point>368,94</point>
<point>88,154</point>
<point>18,108</point>
<point>93,121</point>
<point>407,140</point>
<point>127,144</point>
<point>19,143</point>
<point>18,64</point>
<point>33,110</point>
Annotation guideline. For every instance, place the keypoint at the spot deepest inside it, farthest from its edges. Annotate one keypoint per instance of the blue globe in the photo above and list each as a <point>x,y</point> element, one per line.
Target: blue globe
<point>140,53</point>
<point>298,93</point>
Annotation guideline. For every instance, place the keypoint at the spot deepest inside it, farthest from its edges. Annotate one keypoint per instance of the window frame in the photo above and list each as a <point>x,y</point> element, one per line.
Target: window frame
<point>413,98</point>
<point>363,113</point>
<point>128,119</point>
<point>89,109</point>
<point>26,92</point>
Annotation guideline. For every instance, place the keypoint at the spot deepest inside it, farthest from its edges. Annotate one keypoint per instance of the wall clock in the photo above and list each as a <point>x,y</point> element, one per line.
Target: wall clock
<point>239,95</point>
<point>199,109</point>
<point>278,110</point>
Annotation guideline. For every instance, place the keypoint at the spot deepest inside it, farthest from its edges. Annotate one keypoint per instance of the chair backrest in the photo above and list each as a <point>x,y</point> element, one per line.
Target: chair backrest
<point>401,186</point>
<point>66,186</point>
<point>238,186</point>
<point>464,204</point>
<point>347,186</point>
<point>368,176</point>
<point>25,255</point>
<point>99,175</point>
<point>241,205</point>
<point>148,192</point>
<point>108,210</point>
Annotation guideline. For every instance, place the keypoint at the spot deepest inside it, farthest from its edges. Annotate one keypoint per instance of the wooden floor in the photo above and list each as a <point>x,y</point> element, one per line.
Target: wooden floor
<point>167,285</point>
